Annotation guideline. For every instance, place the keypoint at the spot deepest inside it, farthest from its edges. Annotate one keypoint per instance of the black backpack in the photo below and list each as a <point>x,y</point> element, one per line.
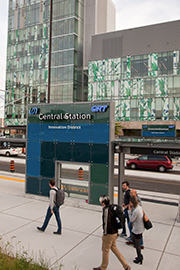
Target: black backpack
<point>118,214</point>
<point>60,196</point>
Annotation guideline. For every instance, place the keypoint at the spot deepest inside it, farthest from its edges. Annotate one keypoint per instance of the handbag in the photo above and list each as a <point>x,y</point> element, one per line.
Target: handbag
<point>147,223</point>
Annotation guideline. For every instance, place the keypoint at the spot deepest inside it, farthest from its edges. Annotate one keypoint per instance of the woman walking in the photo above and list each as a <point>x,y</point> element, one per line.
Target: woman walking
<point>136,216</point>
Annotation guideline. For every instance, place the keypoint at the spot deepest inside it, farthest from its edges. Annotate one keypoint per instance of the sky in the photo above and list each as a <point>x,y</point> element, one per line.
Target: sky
<point>129,14</point>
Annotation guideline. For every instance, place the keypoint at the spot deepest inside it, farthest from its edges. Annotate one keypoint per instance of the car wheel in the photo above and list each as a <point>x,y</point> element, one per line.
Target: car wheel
<point>133,166</point>
<point>7,154</point>
<point>161,168</point>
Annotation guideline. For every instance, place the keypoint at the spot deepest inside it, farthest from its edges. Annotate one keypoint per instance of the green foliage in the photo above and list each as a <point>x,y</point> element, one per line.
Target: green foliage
<point>118,129</point>
<point>14,257</point>
<point>18,262</point>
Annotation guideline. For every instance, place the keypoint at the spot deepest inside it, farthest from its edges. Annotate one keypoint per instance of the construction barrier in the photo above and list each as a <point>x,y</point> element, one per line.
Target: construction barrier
<point>12,166</point>
<point>80,174</point>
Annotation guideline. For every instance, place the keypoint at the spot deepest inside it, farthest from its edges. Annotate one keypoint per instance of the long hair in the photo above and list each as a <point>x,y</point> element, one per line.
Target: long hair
<point>134,202</point>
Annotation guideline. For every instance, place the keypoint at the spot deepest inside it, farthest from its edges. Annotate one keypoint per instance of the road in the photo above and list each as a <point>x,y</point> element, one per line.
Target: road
<point>158,185</point>
<point>148,182</point>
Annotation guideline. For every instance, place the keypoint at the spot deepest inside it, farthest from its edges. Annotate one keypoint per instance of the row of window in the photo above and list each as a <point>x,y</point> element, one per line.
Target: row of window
<point>62,74</point>
<point>24,78</point>
<point>25,50</point>
<point>26,63</point>
<point>147,87</point>
<point>63,58</point>
<point>28,34</point>
<point>20,3</point>
<point>64,42</point>
<point>28,15</point>
<point>67,8</point>
<point>134,67</point>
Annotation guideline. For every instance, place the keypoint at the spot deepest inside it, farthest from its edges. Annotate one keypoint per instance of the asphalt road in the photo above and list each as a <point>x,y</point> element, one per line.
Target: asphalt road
<point>157,185</point>
<point>142,183</point>
<point>5,166</point>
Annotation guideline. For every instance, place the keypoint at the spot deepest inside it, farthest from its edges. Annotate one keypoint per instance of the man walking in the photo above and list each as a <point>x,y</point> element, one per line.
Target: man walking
<point>110,234</point>
<point>52,209</point>
<point>126,189</point>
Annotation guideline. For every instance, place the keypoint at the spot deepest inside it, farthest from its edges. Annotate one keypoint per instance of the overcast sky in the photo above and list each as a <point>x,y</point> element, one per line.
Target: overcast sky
<point>129,14</point>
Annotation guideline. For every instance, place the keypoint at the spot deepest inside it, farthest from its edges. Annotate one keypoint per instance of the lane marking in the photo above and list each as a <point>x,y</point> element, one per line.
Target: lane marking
<point>12,179</point>
<point>153,181</point>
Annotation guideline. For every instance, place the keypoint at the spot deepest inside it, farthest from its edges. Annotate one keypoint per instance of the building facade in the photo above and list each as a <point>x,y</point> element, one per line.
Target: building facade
<point>47,51</point>
<point>138,69</point>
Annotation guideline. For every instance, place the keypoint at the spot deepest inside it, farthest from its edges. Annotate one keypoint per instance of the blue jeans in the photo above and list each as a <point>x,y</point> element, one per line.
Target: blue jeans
<point>130,229</point>
<point>127,216</point>
<point>49,215</point>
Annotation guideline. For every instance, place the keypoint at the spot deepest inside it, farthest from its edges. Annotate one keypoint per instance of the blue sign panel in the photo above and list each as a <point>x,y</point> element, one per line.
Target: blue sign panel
<point>159,130</point>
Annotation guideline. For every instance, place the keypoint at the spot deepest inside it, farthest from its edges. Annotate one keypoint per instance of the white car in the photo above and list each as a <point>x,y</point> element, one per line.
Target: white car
<point>10,151</point>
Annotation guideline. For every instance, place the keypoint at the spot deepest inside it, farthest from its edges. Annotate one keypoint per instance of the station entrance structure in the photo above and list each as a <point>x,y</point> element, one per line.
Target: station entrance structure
<point>71,143</point>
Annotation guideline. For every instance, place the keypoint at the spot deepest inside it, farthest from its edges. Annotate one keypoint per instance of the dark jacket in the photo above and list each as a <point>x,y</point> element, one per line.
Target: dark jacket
<point>109,221</point>
<point>127,197</point>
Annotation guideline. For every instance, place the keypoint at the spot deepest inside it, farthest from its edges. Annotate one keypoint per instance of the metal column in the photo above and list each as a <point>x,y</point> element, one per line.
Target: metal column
<point>111,173</point>
<point>178,218</point>
<point>120,177</point>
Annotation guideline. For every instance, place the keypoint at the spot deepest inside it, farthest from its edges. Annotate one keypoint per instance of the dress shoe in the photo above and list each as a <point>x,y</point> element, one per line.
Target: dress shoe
<point>129,243</point>
<point>96,268</point>
<point>138,261</point>
<point>57,232</point>
<point>141,257</point>
<point>40,229</point>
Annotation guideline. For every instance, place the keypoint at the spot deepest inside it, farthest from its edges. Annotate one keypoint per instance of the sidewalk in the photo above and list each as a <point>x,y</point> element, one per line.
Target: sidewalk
<point>79,246</point>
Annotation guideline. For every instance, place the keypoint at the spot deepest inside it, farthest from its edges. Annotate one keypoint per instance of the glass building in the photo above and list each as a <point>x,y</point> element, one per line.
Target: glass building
<point>47,51</point>
<point>144,82</point>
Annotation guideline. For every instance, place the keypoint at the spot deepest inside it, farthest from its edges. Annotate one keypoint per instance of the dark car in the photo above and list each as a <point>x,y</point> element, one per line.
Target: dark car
<point>152,162</point>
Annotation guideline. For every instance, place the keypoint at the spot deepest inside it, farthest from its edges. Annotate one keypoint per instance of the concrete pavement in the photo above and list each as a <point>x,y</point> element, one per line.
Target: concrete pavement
<point>79,246</point>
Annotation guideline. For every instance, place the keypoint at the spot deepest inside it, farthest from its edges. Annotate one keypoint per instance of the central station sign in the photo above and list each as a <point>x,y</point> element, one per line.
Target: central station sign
<point>155,151</point>
<point>68,116</point>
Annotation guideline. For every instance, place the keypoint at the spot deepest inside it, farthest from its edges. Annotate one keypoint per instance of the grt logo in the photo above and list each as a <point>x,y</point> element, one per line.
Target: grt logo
<point>99,108</point>
<point>33,110</point>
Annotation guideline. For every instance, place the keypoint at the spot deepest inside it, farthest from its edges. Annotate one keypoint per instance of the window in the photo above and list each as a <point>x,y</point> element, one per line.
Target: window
<point>35,12</point>
<point>139,66</point>
<point>124,68</point>
<point>134,112</point>
<point>143,158</point>
<point>165,63</point>
<point>158,111</point>
<point>149,87</point>
<point>157,158</point>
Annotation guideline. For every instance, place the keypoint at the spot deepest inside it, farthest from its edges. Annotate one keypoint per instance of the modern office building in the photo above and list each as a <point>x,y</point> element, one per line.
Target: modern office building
<point>49,45</point>
<point>139,69</point>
